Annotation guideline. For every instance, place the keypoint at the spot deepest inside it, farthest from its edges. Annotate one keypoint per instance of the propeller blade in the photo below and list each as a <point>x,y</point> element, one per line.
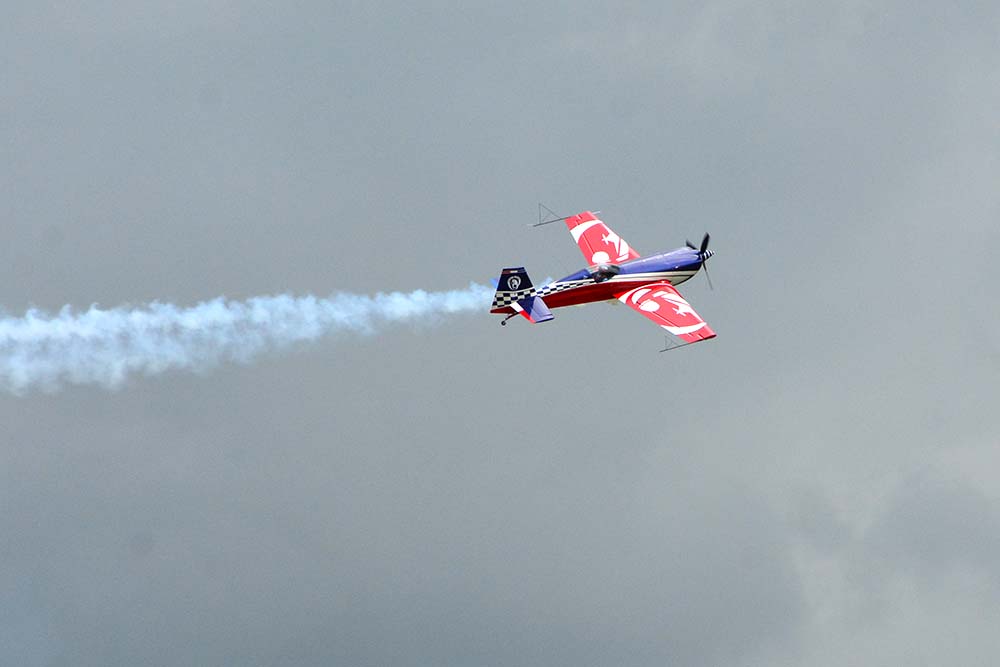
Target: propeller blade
<point>690,245</point>
<point>704,243</point>
<point>704,265</point>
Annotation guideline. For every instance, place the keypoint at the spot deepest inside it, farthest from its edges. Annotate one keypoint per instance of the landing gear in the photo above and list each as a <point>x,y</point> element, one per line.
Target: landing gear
<point>503,323</point>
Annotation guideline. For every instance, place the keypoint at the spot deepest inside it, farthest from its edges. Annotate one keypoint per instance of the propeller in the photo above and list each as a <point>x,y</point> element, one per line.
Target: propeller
<point>703,253</point>
<point>704,244</point>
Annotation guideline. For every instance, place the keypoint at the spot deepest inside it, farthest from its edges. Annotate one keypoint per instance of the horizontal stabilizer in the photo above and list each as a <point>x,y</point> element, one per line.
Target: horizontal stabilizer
<point>533,309</point>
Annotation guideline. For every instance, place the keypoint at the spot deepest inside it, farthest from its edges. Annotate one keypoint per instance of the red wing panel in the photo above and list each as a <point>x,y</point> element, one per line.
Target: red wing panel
<point>598,244</point>
<point>664,305</point>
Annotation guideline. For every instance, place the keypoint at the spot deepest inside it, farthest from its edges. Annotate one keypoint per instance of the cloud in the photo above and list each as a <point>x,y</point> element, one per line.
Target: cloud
<point>935,528</point>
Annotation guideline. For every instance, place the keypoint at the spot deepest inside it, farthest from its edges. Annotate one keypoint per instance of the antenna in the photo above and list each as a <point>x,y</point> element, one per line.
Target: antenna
<point>675,346</point>
<point>551,217</point>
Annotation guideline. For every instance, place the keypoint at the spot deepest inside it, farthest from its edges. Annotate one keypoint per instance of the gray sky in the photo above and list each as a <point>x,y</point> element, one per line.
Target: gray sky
<point>815,486</point>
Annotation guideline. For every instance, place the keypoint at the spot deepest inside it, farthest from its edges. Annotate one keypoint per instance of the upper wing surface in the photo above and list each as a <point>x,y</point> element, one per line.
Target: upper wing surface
<point>664,305</point>
<point>598,244</point>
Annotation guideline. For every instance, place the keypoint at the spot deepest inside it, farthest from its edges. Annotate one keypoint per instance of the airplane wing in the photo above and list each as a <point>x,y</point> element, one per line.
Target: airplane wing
<point>664,305</point>
<point>598,244</point>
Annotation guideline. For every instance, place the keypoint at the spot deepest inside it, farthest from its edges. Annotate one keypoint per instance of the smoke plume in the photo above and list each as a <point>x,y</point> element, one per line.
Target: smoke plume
<point>105,347</point>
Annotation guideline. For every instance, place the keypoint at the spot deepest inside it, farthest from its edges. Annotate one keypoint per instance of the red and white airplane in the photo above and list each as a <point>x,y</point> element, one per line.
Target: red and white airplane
<point>616,271</point>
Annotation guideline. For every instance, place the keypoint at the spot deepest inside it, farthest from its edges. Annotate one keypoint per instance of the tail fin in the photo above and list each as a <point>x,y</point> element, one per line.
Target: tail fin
<point>513,285</point>
<point>515,291</point>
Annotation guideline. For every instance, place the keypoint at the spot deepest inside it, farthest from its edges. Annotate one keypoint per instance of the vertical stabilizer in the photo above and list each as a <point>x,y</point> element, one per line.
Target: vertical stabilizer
<point>512,286</point>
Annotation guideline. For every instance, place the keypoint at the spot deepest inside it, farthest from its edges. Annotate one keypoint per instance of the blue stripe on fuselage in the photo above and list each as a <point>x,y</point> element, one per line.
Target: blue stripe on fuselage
<point>675,260</point>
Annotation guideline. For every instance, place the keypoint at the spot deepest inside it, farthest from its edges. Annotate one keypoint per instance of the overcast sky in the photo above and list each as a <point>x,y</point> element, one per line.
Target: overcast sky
<point>818,485</point>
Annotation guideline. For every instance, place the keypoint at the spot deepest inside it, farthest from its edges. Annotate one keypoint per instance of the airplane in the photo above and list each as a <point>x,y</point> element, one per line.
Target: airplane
<point>615,271</point>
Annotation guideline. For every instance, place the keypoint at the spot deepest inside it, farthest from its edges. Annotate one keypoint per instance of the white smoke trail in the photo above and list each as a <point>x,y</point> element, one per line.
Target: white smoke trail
<point>105,347</point>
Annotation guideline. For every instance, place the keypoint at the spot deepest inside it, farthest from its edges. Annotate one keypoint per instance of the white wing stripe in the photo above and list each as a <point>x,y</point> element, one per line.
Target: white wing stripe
<point>578,231</point>
<point>677,331</point>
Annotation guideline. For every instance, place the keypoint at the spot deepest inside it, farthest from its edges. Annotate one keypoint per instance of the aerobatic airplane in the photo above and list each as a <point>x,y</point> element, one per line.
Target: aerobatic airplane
<point>616,271</point>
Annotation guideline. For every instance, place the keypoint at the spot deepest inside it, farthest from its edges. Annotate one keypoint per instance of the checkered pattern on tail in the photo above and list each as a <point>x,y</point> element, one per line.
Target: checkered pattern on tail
<point>504,298</point>
<point>513,285</point>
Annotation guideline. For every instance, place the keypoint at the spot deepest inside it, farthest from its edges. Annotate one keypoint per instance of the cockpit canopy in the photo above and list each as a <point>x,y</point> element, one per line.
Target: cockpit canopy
<point>601,272</point>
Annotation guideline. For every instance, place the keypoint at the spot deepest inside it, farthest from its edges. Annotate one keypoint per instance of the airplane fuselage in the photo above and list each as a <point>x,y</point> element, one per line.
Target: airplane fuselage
<point>592,284</point>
